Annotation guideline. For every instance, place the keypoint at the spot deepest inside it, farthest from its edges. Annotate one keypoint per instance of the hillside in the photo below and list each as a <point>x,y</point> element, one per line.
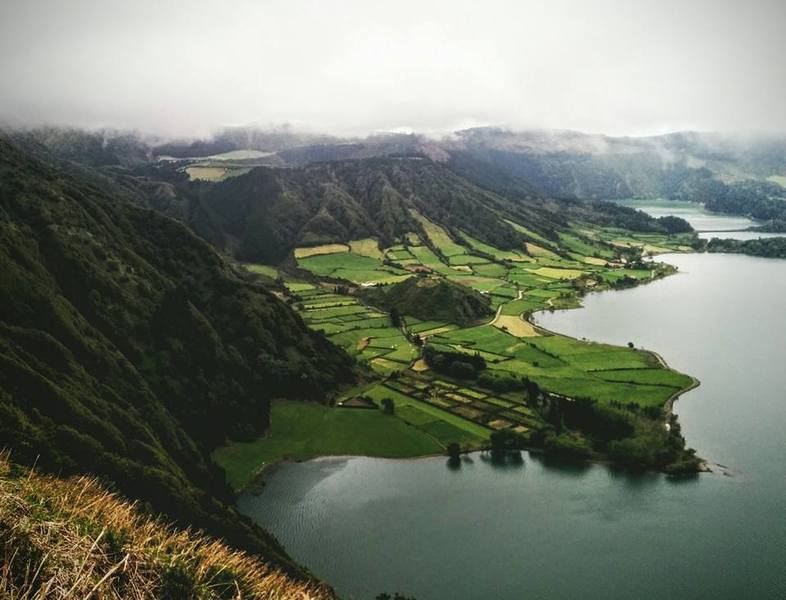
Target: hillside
<point>364,188</point>
<point>130,349</point>
<point>432,299</point>
<point>683,166</point>
<point>71,538</point>
<point>262,215</point>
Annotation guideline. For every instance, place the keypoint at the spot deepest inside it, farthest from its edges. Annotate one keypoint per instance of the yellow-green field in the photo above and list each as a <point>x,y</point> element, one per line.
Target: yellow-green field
<point>307,251</point>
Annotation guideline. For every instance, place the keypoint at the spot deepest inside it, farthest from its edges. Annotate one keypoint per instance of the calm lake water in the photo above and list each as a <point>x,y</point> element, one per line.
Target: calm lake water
<point>541,530</point>
<point>708,224</point>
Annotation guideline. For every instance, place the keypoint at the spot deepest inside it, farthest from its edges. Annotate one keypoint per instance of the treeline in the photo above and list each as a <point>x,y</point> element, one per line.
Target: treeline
<point>455,364</point>
<point>774,247</point>
<point>755,198</point>
<point>626,433</point>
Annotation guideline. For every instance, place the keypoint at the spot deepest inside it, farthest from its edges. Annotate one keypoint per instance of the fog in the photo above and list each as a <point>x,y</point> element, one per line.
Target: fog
<point>351,67</point>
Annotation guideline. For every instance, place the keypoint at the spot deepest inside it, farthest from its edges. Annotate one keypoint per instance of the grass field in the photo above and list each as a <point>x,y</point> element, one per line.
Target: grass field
<point>495,252</point>
<point>515,326</point>
<point>206,173</point>
<point>266,270</point>
<point>307,251</point>
<point>556,273</point>
<point>452,428</point>
<point>515,283</point>
<point>350,266</point>
<point>366,247</point>
<point>540,251</point>
<point>300,430</point>
<point>438,236</point>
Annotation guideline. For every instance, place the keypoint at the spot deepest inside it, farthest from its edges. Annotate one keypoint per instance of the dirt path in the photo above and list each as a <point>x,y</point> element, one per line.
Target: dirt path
<point>499,308</point>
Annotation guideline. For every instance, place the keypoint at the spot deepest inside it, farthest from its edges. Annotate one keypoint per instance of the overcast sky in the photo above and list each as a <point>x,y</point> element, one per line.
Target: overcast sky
<point>187,68</point>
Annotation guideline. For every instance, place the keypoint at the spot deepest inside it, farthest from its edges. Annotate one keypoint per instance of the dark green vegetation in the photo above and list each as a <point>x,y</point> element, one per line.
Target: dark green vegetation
<point>736,177</point>
<point>774,247</point>
<point>134,350</point>
<point>680,166</point>
<point>262,215</point>
<point>130,349</point>
<point>432,298</point>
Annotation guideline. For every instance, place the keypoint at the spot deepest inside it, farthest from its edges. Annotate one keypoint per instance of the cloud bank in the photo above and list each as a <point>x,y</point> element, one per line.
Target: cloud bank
<point>352,67</point>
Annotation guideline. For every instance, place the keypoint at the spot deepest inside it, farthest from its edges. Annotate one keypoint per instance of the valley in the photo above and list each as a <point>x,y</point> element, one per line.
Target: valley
<point>387,307</point>
<point>392,301</point>
<point>512,377</point>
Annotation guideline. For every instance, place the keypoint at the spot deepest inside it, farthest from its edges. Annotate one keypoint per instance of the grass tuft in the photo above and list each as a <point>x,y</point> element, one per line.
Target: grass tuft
<point>72,539</point>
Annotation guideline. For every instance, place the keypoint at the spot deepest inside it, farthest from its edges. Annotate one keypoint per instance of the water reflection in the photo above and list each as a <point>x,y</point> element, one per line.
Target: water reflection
<point>565,530</point>
<point>503,459</point>
<point>561,465</point>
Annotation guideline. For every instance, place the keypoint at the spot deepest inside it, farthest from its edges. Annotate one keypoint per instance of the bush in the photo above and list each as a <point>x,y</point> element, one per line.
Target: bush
<point>505,440</point>
<point>388,406</point>
<point>499,382</point>
<point>568,445</point>
<point>463,370</point>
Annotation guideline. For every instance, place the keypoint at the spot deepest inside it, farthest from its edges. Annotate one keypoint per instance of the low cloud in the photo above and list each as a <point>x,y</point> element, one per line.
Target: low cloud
<point>352,67</point>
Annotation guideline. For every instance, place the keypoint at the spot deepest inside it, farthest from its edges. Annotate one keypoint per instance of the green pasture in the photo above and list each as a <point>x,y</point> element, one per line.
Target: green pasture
<point>301,430</point>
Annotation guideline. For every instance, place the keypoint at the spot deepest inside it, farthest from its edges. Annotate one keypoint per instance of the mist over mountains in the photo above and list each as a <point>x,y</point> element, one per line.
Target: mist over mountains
<point>554,163</point>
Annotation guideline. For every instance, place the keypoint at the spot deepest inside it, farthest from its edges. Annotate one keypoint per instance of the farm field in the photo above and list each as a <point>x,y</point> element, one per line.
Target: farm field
<point>363,332</point>
<point>265,270</point>
<point>301,430</point>
<point>779,179</point>
<point>542,275</point>
<point>212,173</point>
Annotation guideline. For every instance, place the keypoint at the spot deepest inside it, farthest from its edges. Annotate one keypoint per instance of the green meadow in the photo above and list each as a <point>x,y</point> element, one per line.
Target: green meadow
<point>433,410</point>
<point>302,430</point>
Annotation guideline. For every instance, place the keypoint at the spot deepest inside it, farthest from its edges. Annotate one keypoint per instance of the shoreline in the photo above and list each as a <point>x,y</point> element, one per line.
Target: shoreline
<point>257,480</point>
<point>256,487</point>
<point>704,464</point>
<point>669,404</point>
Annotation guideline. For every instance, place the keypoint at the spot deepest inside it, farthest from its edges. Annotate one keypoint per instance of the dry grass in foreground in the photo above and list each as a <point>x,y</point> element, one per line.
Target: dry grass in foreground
<point>70,538</point>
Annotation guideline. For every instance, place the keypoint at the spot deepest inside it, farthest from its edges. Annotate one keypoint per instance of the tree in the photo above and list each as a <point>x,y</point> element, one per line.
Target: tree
<point>533,390</point>
<point>630,345</point>
<point>505,440</point>
<point>395,317</point>
<point>454,450</point>
<point>463,370</point>
<point>388,406</point>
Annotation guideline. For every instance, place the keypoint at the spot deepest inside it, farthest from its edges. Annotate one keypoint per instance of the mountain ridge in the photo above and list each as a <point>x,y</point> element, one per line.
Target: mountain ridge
<point>130,348</point>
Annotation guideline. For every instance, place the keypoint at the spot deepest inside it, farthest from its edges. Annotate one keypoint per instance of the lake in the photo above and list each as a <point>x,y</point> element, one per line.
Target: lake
<point>543,530</point>
<point>708,224</point>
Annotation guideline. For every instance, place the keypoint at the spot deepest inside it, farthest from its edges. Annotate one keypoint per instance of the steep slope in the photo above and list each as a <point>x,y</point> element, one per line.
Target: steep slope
<point>591,166</point>
<point>71,538</point>
<point>269,211</point>
<point>130,349</point>
<point>262,215</point>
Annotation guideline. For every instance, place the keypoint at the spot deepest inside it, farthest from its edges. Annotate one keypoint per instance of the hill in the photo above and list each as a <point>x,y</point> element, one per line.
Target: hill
<point>432,299</point>
<point>337,190</point>
<point>71,538</point>
<point>682,166</point>
<point>262,215</point>
<point>130,349</point>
